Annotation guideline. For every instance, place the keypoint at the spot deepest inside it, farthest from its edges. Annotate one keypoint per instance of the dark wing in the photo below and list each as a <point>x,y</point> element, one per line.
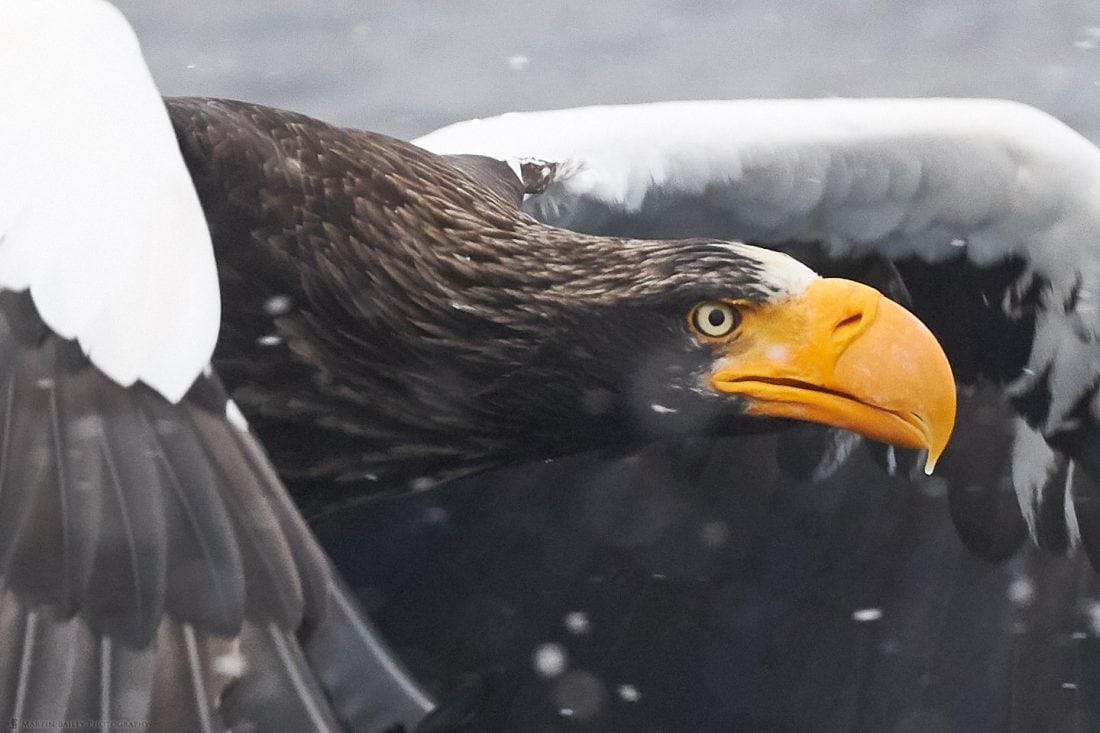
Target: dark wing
<point>740,599</point>
<point>494,175</point>
<point>154,568</point>
<point>987,209</point>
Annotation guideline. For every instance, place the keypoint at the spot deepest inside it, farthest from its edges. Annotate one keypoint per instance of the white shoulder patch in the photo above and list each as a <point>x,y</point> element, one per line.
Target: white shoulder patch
<point>895,176</point>
<point>98,216</point>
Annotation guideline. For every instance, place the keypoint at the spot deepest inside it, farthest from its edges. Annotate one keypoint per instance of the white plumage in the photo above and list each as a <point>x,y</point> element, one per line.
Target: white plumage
<point>98,216</point>
<point>917,176</point>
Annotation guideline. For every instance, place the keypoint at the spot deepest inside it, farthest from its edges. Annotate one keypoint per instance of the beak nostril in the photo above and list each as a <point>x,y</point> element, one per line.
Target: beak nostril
<point>849,323</point>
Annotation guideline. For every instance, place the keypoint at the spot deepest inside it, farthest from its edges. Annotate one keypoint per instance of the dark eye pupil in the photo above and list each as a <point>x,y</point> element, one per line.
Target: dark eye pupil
<point>716,317</point>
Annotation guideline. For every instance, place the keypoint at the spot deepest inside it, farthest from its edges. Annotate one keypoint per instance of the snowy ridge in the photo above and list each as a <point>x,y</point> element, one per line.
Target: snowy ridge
<point>98,216</point>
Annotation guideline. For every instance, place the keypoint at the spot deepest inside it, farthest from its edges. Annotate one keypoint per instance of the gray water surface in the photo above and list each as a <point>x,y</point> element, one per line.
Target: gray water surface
<point>405,68</point>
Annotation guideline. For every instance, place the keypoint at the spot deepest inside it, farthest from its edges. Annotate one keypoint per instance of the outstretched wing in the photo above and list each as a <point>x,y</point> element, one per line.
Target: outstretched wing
<point>935,178</point>
<point>152,566</point>
<point>988,210</point>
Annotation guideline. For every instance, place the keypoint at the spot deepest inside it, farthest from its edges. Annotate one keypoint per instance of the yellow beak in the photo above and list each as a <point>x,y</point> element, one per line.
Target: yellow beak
<point>842,354</point>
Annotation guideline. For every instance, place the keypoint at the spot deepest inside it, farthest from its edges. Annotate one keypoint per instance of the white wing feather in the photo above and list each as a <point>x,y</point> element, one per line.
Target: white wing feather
<point>98,216</point>
<point>927,177</point>
<point>923,176</point>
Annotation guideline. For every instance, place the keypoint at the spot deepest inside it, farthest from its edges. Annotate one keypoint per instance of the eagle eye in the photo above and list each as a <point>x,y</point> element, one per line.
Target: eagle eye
<point>715,319</point>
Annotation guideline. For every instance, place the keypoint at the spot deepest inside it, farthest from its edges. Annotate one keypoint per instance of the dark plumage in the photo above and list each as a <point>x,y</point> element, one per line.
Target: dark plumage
<point>154,568</point>
<point>390,320</point>
<point>426,328</point>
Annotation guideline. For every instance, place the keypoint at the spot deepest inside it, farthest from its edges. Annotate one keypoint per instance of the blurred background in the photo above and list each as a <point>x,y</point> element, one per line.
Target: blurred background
<point>407,68</point>
<point>709,587</point>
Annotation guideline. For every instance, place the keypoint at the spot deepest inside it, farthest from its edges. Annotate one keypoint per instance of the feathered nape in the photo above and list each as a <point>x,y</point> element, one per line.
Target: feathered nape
<point>394,320</point>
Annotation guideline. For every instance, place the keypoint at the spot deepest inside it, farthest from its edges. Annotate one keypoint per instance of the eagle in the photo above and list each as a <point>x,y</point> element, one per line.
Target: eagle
<point>385,318</point>
<point>983,213</point>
